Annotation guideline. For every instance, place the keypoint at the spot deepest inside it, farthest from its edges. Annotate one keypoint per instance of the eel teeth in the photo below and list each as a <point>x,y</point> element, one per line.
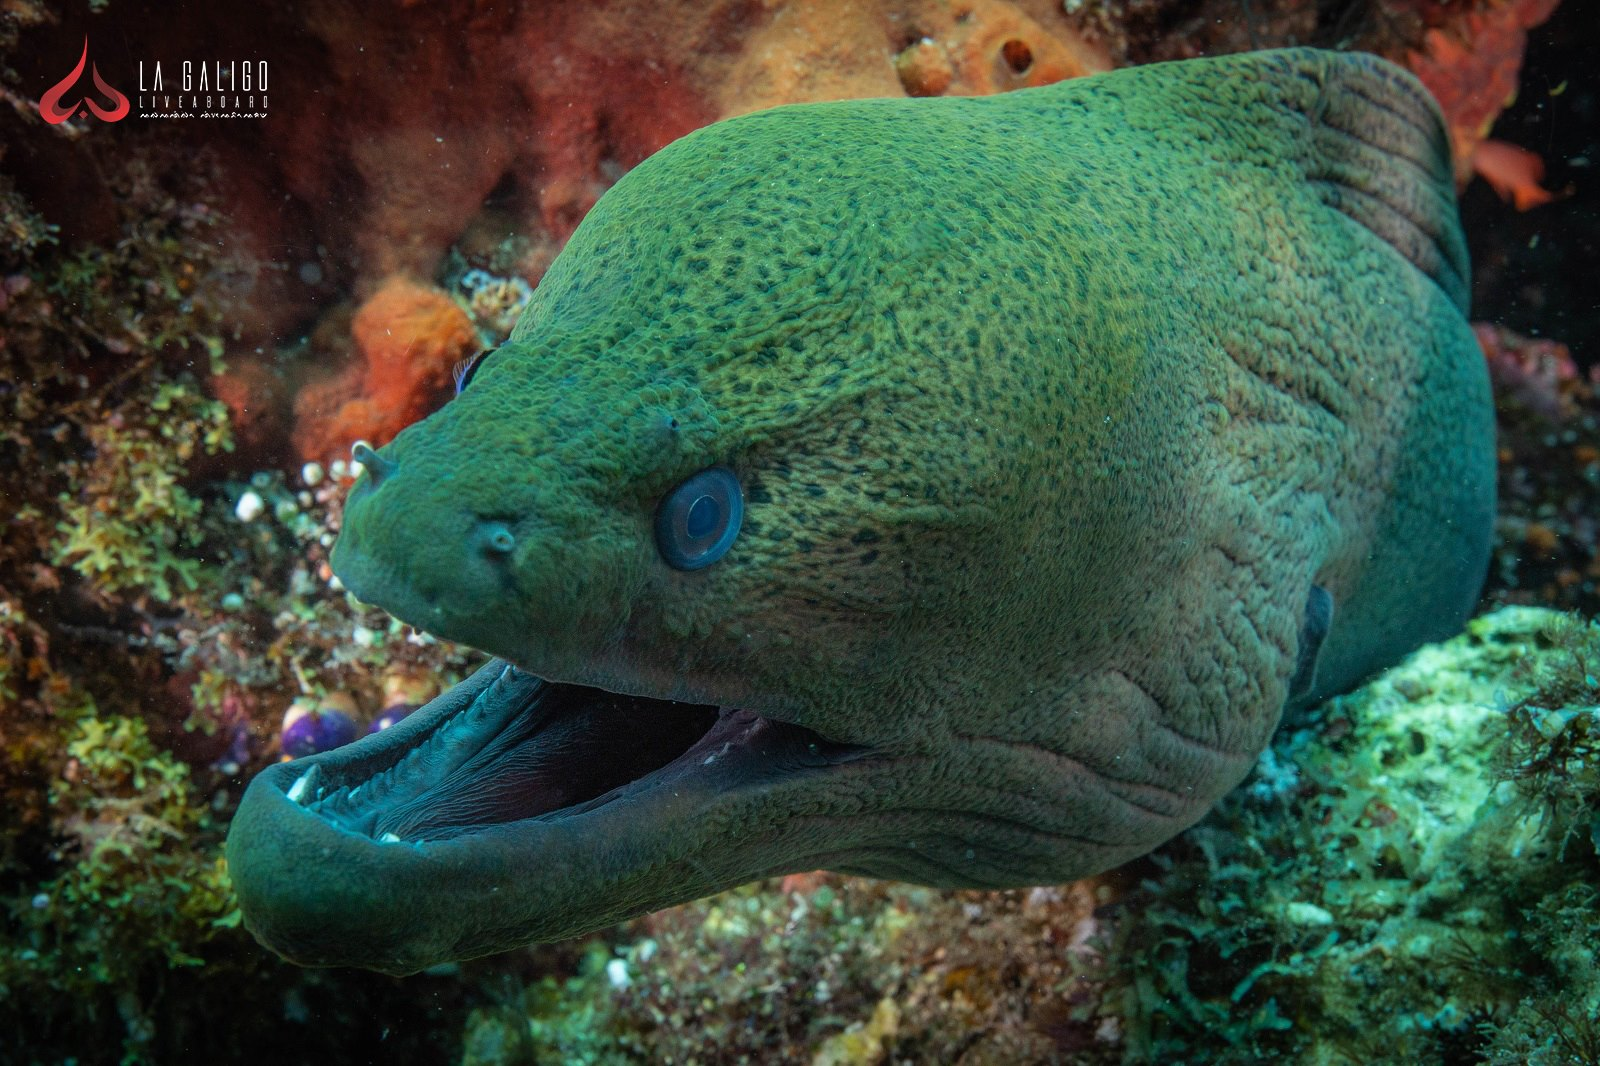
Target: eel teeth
<point>303,784</point>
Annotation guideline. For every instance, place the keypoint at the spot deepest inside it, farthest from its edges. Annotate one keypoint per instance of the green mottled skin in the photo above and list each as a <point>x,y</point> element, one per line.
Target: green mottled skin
<point>1050,409</point>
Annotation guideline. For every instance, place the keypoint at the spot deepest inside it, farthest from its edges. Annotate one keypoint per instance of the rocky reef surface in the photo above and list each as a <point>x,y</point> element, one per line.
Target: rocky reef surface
<point>195,323</point>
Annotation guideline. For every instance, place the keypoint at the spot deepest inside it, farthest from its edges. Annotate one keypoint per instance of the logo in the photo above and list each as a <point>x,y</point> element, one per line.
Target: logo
<point>55,114</point>
<point>205,88</point>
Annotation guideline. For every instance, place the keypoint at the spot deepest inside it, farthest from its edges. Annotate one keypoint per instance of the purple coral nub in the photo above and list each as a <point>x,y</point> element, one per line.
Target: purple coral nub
<point>309,730</point>
<point>391,714</point>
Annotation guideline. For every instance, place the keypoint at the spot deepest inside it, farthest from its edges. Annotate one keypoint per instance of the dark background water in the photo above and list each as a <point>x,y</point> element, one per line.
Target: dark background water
<point>1539,271</point>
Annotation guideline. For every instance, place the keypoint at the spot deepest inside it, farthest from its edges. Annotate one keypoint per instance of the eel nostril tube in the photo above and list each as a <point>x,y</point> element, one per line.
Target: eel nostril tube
<point>498,538</point>
<point>376,466</point>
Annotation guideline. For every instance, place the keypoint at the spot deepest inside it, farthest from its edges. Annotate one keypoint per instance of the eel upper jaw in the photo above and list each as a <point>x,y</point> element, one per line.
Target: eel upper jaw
<point>379,584</point>
<point>509,810</point>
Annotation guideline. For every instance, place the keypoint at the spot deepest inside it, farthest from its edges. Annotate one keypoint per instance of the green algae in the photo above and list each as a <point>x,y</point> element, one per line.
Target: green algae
<point>110,848</point>
<point>1552,747</point>
<point>127,522</point>
<point>1385,894</point>
<point>141,887</point>
<point>149,642</point>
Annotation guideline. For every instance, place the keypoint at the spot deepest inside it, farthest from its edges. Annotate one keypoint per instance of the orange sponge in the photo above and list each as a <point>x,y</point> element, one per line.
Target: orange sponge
<point>409,335</point>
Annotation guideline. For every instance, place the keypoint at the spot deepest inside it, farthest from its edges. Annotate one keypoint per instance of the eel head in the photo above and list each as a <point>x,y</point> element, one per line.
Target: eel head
<point>763,512</point>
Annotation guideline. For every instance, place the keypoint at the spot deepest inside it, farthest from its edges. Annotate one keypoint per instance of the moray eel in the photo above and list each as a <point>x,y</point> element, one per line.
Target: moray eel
<point>949,490</point>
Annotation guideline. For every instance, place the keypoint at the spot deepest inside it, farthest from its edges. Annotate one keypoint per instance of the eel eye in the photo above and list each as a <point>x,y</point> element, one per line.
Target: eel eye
<point>698,521</point>
<point>462,372</point>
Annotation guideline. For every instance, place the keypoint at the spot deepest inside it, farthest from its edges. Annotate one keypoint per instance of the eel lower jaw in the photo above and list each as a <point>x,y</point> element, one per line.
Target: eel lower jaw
<point>509,810</point>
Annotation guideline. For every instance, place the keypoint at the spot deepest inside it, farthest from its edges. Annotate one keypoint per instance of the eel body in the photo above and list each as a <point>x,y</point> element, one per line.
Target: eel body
<point>1077,432</point>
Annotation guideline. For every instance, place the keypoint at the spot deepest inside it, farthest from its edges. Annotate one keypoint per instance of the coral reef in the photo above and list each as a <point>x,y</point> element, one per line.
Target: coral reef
<point>165,600</point>
<point>508,125</point>
<point>661,73</point>
<point>546,105</point>
<point>1547,535</point>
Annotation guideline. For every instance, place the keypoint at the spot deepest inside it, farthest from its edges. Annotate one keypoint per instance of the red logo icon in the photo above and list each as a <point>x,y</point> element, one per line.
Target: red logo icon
<point>50,103</point>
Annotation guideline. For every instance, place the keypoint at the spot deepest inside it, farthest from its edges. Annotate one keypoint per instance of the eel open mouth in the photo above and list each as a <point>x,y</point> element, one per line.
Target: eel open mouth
<point>527,748</point>
<point>509,809</point>
<point>548,749</point>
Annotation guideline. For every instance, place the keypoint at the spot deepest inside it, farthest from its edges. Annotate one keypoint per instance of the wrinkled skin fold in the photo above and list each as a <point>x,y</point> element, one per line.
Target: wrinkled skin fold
<point>1079,431</point>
